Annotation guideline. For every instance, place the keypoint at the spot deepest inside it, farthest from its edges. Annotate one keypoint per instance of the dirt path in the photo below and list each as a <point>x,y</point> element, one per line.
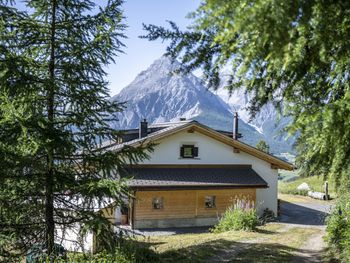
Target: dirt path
<point>312,251</point>
<point>227,254</point>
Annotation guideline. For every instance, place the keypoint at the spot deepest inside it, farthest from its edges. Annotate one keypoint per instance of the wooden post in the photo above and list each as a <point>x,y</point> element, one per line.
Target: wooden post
<point>196,204</point>
<point>326,190</point>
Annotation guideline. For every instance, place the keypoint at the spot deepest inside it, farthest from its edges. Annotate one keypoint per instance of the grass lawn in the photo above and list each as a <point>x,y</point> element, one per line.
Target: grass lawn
<point>278,248</point>
<point>200,247</point>
<point>315,183</point>
<point>301,199</point>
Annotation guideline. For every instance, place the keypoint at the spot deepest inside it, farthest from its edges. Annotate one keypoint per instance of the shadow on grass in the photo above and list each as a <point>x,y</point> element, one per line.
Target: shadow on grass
<point>222,250</point>
<point>275,253</point>
<point>196,253</point>
<point>264,231</point>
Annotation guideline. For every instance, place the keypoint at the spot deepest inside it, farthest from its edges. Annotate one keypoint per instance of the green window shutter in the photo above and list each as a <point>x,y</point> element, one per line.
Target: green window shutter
<point>195,151</point>
<point>182,151</point>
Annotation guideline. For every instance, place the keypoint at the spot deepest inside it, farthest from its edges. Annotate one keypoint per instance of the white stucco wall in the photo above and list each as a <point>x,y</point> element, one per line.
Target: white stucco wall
<point>212,151</point>
<point>72,241</point>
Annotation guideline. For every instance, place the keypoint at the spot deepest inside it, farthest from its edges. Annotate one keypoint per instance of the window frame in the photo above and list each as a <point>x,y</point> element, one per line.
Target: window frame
<point>161,203</point>
<point>192,147</point>
<point>212,201</point>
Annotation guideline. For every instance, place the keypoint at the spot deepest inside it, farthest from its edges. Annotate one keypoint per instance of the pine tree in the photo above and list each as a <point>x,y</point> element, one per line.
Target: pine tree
<point>55,113</point>
<point>263,146</point>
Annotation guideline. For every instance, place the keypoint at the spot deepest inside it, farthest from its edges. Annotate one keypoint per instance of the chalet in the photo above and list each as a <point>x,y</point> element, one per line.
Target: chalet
<point>194,174</point>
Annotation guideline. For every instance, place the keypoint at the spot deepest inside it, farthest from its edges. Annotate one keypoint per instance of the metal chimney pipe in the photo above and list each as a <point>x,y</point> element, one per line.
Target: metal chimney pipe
<point>143,129</point>
<point>236,135</point>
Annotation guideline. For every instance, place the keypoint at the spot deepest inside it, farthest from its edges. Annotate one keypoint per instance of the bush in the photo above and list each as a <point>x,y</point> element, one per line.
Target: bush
<point>102,257</point>
<point>129,251</point>
<point>37,253</point>
<point>338,229</point>
<point>240,216</point>
<point>267,216</point>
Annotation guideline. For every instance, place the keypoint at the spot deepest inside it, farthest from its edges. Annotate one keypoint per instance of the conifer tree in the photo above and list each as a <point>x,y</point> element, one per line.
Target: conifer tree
<point>263,146</point>
<point>55,113</point>
<point>292,53</point>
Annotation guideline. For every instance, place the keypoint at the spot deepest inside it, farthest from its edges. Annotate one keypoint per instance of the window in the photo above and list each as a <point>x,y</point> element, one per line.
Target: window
<point>188,151</point>
<point>157,203</point>
<point>210,201</point>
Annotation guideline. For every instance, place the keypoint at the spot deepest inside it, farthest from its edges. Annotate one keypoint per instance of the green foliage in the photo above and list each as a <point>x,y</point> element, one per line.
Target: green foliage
<point>237,217</point>
<point>294,55</point>
<point>338,229</point>
<point>267,216</point>
<point>55,113</point>
<point>293,191</point>
<point>263,146</point>
<point>37,253</point>
<point>102,257</point>
<point>127,252</point>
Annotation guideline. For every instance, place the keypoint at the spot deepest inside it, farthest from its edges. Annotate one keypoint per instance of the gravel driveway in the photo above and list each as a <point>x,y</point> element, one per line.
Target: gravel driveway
<point>305,214</point>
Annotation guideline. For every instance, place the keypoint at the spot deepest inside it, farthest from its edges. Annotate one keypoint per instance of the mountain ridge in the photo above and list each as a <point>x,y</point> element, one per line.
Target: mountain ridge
<point>160,95</point>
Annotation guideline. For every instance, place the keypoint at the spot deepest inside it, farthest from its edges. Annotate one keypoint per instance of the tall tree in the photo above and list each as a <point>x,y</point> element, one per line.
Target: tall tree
<point>296,52</point>
<point>263,146</point>
<point>55,114</point>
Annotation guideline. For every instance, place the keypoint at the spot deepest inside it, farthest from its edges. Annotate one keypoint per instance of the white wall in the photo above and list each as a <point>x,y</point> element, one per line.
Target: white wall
<point>212,151</point>
<point>72,241</point>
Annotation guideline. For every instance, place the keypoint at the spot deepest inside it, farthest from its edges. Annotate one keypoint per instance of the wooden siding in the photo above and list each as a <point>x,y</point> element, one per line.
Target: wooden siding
<point>109,213</point>
<point>187,203</point>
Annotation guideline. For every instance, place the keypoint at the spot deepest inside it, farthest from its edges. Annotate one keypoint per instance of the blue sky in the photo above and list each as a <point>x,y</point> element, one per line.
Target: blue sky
<point>140,53</point>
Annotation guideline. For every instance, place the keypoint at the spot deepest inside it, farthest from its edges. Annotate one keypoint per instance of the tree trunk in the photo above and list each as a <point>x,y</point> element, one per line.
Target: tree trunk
<point>49,204</point>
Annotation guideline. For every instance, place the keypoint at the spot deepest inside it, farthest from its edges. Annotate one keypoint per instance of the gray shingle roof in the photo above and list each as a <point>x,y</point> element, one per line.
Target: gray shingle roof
<point>196,177</point>
<point>112,146</point>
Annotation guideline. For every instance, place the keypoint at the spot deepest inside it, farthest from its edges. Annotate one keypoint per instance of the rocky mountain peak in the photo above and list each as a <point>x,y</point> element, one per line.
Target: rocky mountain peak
<point>160,95</point>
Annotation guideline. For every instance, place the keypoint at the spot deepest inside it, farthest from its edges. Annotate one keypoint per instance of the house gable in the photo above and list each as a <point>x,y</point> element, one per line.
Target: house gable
<point>196,128</point>
<point>211,150</point>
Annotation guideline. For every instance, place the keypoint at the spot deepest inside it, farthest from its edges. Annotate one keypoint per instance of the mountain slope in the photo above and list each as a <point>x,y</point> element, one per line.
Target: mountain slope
<point>159,96</point>
<point>267,121</point>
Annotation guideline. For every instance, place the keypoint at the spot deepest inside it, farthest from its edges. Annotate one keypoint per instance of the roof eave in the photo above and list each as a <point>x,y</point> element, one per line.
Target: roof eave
<point>193,187</point>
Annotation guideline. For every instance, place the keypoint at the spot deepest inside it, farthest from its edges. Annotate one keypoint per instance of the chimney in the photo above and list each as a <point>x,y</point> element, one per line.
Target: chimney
<point>143,128</point>
<point>236,134</point>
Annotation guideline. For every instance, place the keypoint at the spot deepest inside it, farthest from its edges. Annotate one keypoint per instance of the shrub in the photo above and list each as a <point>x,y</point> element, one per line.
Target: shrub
<point>293,191</point>
<point>102,257</point>
<point>129,251</point>
<point>37,253</point>
<point>240,216</point>
<point>267,216</point>
<point>338,229</point>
